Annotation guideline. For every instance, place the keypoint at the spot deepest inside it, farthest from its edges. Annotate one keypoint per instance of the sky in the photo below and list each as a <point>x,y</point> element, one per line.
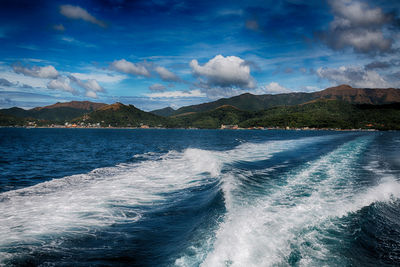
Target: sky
<point>155,54</point>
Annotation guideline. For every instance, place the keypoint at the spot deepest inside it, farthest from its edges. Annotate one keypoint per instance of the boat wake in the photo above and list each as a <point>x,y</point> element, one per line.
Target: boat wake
<point>277,209</point>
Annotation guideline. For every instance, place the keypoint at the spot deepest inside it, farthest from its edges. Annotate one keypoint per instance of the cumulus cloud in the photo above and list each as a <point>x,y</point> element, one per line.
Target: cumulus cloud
<point>222,71</point>
<point>353,76</point>
<point>62,84</point>
<point>91,94</point>
<point>157,87</point>
<point>273,88</point>
<point>358,26</point>
<point>48,72</point>
<point>130,68</point>
<point>76,12</point>
<point>177,94</point>
<point>166,75</point>
<point>91,86</point>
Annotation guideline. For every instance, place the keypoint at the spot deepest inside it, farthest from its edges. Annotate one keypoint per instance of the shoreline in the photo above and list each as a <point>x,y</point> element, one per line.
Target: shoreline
<point>238,129</point>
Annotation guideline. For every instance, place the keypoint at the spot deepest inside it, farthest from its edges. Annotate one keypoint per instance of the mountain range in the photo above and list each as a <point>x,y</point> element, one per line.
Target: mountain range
<point>250,102</point>
<point>335,107</point>
<point>57,112</point>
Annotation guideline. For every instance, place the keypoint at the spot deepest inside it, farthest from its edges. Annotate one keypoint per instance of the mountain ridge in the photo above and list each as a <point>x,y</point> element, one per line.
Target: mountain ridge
<point>55,112</point>
<point>84,105</point>
<point>327,108</point>
<point>250,102</point>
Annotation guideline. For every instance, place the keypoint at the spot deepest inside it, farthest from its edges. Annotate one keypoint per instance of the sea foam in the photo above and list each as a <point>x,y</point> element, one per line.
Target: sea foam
<point>103,197</point>
<point>265,232</point>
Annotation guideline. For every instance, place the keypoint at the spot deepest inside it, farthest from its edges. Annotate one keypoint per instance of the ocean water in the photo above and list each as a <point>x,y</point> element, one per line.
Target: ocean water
<point>108,197</point>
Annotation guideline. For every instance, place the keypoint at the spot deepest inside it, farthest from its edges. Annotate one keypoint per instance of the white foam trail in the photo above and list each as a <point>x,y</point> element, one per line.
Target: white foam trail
<point>107,196</point>
<point>261,234</point>
<point>100,198</point>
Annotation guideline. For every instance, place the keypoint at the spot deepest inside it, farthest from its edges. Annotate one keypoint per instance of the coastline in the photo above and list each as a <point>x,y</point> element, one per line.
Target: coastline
<point>225,129</point>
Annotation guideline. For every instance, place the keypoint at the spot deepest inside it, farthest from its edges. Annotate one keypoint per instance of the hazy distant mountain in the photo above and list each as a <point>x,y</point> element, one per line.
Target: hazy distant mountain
<point>250,102</point>
<point>55,112</point>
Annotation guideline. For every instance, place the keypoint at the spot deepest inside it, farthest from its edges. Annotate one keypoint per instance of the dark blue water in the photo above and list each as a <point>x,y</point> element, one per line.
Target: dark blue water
<point>101,197</point>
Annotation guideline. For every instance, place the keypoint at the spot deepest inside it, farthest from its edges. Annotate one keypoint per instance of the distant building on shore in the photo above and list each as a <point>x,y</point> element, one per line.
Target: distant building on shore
<point>230,127</point>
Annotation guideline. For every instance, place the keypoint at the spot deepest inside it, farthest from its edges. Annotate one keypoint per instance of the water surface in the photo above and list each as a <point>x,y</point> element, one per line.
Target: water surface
<point>96,197</point>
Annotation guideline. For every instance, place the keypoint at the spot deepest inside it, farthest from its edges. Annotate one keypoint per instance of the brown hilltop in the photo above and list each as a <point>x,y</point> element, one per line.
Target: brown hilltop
<point>84,105</point>
<point>114,106</point>
<point>360,95</point>
<point>227,107</point>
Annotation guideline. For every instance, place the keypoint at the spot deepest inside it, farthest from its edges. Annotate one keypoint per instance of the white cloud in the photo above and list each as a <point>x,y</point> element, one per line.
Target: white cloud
<point>91,86</point>
<point>273,88</point>
<point>91,94</point>
<point>73,41</point>
<point>157,87</point>
<point>76,12</point>
<point>63,84</point>
<point>222,71</point>
<point>310,88</point>
<point>103,77</point>
<point>353,76</point>
<point>356,13</point>
<point>215,93</point>
<point>358,26</point>
<point>166,75</point>
<point>48,72</point>
<point>15,78</point>
<point>130,68</point>
<point>177,94</point>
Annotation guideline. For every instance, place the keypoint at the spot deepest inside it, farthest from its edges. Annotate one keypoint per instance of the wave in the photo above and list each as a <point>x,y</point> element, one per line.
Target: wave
<point>80,204</point>
<point>103,197</point>
<point>270,230</point>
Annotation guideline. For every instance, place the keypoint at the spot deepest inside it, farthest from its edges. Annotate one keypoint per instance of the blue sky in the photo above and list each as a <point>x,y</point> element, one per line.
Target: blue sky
<point>155,54</point>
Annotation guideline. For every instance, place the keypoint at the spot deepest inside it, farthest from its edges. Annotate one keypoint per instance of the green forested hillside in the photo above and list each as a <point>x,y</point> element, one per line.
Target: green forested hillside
<point>250,102</point>
<point>211,119</point>
<point>328,114</point>
<point>119,115</point>
<point>314,114</point>
<point>319,113</point>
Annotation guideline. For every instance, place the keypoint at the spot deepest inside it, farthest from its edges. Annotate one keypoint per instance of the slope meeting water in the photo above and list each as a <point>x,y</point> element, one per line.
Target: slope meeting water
<point>261,199</point>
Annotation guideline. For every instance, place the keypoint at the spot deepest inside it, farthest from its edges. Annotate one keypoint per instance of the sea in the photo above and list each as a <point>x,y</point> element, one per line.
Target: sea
<point>172,197</point>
